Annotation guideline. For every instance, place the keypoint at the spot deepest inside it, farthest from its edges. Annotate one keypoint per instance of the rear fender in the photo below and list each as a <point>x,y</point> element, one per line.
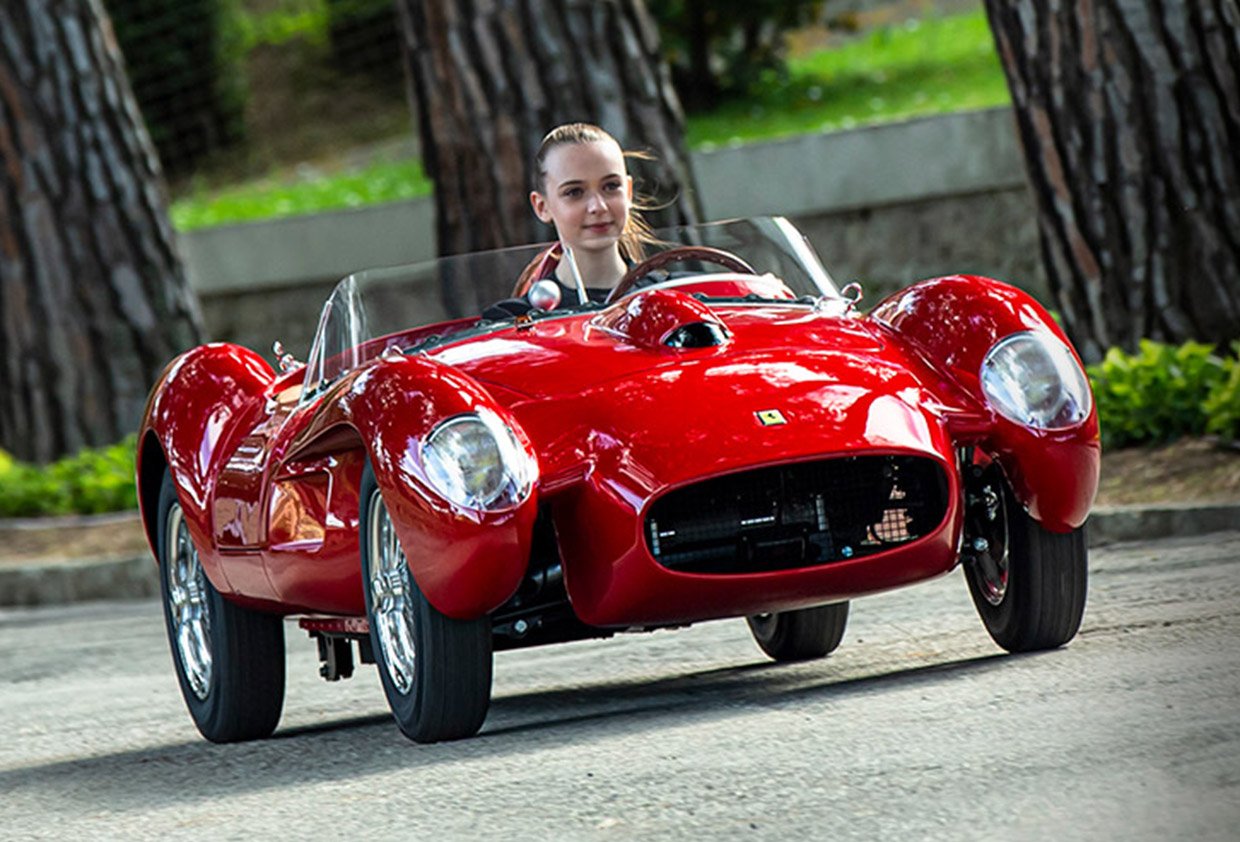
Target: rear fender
<point>953,322</point>
<point>466,562</point>
<point>191,420</point>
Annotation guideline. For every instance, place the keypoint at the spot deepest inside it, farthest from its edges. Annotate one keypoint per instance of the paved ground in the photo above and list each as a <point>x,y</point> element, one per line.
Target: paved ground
<point>918,728</point>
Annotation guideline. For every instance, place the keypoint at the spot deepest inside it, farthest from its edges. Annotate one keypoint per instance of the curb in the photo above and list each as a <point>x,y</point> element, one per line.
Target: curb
<point>1112,524</point>
<point>62,582</point>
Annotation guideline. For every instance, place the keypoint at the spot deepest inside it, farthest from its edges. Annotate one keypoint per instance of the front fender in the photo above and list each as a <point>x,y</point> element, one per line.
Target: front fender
<point>192,414</point>
<point>953,322</point>
<point>466,562</point>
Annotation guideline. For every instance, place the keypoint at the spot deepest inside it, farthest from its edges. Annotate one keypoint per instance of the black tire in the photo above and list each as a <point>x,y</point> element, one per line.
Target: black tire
<point>800,635</point>
<point>446,690</point>
<point>240,695</point>
<point>1030,590</point>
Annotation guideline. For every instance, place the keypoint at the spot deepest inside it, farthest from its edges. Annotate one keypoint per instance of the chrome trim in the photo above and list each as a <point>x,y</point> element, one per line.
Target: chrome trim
<point>391,598</point>
<point>188,604</point>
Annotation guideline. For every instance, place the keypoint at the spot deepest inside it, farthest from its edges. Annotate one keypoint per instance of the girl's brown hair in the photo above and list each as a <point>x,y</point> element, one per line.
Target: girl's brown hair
<point>637,233</point>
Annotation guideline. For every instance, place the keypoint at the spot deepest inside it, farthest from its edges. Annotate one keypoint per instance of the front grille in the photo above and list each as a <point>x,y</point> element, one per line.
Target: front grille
<point>798,515</point>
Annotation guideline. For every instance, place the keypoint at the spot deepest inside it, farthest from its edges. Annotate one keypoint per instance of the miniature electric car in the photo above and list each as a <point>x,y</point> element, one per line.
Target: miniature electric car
<point>726,435</point>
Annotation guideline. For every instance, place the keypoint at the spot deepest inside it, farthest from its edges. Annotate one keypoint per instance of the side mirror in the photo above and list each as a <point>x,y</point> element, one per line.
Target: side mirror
<point>852,292</point>
<point>284,359</point>
<point>544,295</point>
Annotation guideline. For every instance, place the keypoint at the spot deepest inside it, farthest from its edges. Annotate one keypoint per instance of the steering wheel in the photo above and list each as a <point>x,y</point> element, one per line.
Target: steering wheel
<point>674,255</point>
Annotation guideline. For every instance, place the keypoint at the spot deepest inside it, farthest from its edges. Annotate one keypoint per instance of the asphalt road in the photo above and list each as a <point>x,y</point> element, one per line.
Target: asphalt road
<point>918,728</point>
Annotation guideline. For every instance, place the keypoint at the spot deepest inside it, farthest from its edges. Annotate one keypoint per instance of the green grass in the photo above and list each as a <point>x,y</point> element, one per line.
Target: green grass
<point>292,19</point>
<point>927,66</point>
<point>385,181</point>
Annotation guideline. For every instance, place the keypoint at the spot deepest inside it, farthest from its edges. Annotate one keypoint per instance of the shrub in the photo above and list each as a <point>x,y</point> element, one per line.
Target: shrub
<point>1222,405</point>
<point>1157,394</point>
<point>91,481</point>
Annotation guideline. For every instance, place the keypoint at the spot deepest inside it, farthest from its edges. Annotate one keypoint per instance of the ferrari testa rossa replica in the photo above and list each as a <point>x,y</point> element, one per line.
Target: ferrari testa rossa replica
<point>724,434</point>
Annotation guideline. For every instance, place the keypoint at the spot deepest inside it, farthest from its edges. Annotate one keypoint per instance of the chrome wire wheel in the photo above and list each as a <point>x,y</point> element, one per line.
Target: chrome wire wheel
<point>391,597</point>
<point>187,599</point>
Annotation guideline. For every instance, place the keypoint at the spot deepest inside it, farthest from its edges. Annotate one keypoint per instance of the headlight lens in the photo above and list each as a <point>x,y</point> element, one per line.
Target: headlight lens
<point>476,461</point>
<point>1033,379</point>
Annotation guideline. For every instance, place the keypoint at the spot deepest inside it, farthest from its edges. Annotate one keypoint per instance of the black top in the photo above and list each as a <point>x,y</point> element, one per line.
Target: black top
<point>510,308</point>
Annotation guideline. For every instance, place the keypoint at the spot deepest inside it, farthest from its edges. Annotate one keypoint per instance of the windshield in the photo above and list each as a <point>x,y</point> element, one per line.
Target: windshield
<point>371,311</point>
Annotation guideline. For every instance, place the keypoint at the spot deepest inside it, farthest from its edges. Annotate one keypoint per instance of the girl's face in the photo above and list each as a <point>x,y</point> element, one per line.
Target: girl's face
<point>588,194</point>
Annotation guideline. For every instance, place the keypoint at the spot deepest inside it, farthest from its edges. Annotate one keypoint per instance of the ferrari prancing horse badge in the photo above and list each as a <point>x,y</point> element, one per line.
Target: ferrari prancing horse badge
<point>770,417</point>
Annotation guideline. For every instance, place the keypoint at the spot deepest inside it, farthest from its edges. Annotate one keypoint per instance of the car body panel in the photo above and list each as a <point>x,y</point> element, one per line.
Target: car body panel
<point>1054,473</point>
<point>615,420</point>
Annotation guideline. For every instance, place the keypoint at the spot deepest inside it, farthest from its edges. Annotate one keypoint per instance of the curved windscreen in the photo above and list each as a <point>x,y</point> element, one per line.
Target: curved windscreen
<point>370,311</point>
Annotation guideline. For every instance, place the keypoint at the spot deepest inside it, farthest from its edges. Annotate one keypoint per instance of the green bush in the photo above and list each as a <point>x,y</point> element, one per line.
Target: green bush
<point>1222,405</point>
<point>1158,394</point>
<point>91,481</point>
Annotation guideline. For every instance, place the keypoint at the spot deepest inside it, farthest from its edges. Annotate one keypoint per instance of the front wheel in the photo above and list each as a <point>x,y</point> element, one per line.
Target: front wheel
<point>800,635</point>
<point>436,670</point>
<point>1028,583</point>
<point>229,660</point>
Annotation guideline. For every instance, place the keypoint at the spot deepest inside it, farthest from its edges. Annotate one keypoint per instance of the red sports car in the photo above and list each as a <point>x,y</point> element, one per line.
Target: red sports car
<point>724,434</point>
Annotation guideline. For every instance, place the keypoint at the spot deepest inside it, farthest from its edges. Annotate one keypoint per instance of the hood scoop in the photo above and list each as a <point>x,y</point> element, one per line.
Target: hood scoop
<point>697,335</point>
<point>663,318</point>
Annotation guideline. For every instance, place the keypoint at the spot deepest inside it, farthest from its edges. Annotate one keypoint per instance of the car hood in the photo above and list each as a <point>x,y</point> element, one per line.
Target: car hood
<point>788,385</point>
<point>566,356</point>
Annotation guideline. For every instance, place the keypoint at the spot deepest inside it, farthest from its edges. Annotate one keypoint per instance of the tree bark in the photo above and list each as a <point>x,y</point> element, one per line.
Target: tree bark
<point>490,77</point>
<point>93,299</point>
<point>1129,113</point>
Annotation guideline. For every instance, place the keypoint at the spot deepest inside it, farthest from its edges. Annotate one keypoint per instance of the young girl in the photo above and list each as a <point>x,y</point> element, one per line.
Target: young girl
<point>583,188</point>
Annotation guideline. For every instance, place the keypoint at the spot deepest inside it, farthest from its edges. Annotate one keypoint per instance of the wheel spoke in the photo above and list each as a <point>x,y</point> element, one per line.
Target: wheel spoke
<point>391,605</point>
<point>188,605</point>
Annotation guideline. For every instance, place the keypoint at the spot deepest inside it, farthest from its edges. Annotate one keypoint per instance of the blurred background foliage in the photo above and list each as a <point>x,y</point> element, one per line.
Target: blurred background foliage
<point>266,108</point>
<point>92,481</point>
<point>185,63</point>
<point>727,48</point>
<point>1164,392</point>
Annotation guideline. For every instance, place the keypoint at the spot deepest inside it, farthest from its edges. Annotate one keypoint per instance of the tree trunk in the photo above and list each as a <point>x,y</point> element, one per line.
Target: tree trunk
<point>491,77</point>
<point>703,87</point>
<point>93,300</point>
<point>1129,113</point>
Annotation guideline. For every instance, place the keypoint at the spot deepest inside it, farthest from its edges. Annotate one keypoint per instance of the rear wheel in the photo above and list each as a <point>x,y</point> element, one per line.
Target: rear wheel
<point>436,670</point>
<point>1028,583</point>
<point>800,635</point>
<point>229,660</point>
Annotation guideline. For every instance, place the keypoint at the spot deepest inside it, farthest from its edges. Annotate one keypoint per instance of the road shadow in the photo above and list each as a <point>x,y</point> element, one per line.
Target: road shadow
<point>340,749</point>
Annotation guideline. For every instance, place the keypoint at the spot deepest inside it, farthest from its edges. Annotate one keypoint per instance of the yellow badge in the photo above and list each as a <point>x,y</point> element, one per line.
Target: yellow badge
<point>771,417</point>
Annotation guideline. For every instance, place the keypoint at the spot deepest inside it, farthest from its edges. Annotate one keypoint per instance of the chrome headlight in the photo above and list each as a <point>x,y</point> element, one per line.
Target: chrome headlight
<point>477,462</point>
<point>1033,379</point>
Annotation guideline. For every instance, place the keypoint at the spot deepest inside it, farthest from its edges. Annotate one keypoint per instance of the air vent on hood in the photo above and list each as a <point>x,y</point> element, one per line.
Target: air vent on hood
<point>697,335</point>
